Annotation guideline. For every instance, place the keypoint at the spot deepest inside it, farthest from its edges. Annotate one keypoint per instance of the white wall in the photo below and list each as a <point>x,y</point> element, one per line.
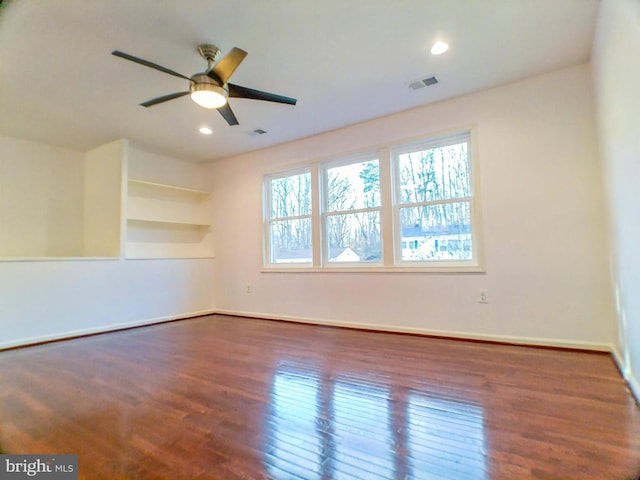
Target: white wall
<point>41,194</point>
<point>152,167</point>
<point>44,300</point>
<point>616,68</point>
<point>47,299</point>
<point>543,225</point>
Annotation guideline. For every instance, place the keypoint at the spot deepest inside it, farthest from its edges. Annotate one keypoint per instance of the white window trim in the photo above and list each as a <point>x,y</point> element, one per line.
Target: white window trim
<point>389,212</point>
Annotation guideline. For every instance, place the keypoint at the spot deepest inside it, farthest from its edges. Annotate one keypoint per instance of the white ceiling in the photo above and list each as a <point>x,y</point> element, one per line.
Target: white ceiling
<point>346,61</point>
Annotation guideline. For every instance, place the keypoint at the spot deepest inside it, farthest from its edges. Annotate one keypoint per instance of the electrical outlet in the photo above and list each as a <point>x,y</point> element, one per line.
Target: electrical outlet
<point>483,296</point>
<point>248,289</point>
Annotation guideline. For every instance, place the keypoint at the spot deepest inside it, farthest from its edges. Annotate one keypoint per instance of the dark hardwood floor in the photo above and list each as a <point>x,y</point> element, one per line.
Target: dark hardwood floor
<point>231,398</point>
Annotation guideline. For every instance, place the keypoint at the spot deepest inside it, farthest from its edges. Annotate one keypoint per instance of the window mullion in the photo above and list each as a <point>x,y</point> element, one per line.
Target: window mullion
<point>317,229</point>
<point>386,213</point>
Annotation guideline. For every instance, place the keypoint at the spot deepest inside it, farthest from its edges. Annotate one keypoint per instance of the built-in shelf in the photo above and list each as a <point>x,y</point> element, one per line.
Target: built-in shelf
<point>162,186</point>
<point>150,250</point>
<point>167,221</point>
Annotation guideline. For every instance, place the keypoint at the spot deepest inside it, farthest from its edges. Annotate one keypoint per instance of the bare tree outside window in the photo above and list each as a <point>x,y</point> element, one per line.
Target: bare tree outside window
<point>290,226</point>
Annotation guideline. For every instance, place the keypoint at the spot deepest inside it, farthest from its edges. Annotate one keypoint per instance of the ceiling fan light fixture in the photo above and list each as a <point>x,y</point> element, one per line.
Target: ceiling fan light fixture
<point>206,92</point>
<point>208,95</point>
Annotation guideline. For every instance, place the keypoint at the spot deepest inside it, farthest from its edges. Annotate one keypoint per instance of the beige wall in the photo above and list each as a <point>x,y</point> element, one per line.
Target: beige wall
<point>543,225</point>
<point>616,68</point>
<point>41,191</point>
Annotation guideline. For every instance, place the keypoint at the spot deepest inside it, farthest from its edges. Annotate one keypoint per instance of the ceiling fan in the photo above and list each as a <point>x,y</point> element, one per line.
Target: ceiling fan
<point>210,88</point>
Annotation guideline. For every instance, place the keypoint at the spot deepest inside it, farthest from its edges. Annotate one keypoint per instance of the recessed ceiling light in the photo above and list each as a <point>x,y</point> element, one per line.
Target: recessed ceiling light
<point>206,130</point>
<point>439,48</point>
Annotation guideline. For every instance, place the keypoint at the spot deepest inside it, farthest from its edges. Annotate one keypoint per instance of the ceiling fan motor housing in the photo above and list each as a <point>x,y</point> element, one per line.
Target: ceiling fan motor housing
<point>202,81</point>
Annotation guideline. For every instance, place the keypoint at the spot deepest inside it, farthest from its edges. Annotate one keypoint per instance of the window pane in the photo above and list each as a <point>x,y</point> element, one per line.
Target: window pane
<point>291,196</point>
<point>291,241</point>
<point>353,186</point>
<point>435,174</point>
<point>354,237</point>
<point>436,232</point>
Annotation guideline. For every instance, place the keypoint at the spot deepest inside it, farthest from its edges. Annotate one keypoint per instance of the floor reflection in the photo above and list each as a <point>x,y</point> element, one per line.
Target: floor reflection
<point>295,443</point>
<point>363,437</point>
<point>445,438</point>
<point>347,427</point>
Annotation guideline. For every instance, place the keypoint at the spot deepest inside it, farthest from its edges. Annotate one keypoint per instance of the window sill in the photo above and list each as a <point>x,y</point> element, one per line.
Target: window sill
<point>435,269</point>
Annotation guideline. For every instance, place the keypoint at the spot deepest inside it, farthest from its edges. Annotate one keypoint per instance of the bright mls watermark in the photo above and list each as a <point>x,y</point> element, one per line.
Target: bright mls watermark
<point>50,467</point>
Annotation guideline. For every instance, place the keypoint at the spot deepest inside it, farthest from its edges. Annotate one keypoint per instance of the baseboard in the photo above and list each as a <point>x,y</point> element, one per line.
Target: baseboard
<point>24,342</point>
<point>634,385</point>
<point>627,373</point>
<point>625,370</point>
<point>525,341</point>
<point>619,361</point>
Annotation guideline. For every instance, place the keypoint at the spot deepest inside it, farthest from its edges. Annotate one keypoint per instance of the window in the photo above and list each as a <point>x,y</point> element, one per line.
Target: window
<point>352,212</point>
<point>289,218</point>
<point>409,206</point>
<point>433,204</point>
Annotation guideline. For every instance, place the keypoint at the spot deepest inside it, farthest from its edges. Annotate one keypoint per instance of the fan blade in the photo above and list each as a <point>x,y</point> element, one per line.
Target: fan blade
<point>227,65</point>
<point>243,92</point>
<point>164,98</point>
<point>146,63</point>
<point>228,114</point>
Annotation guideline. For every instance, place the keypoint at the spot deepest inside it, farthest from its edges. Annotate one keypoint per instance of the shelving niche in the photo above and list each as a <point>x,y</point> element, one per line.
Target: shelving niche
<point>167,221</point>
<point>114,201</point>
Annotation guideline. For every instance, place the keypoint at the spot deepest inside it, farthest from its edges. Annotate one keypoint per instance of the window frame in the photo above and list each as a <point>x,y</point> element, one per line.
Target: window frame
<point>390,207</point>
<point>269,220</point>
<point>475,262</point>
<point>323,169</point>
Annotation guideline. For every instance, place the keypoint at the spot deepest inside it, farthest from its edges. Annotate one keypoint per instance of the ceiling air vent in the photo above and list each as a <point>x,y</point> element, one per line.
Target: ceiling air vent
<point>257,131</point>
<point>425,82</point>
